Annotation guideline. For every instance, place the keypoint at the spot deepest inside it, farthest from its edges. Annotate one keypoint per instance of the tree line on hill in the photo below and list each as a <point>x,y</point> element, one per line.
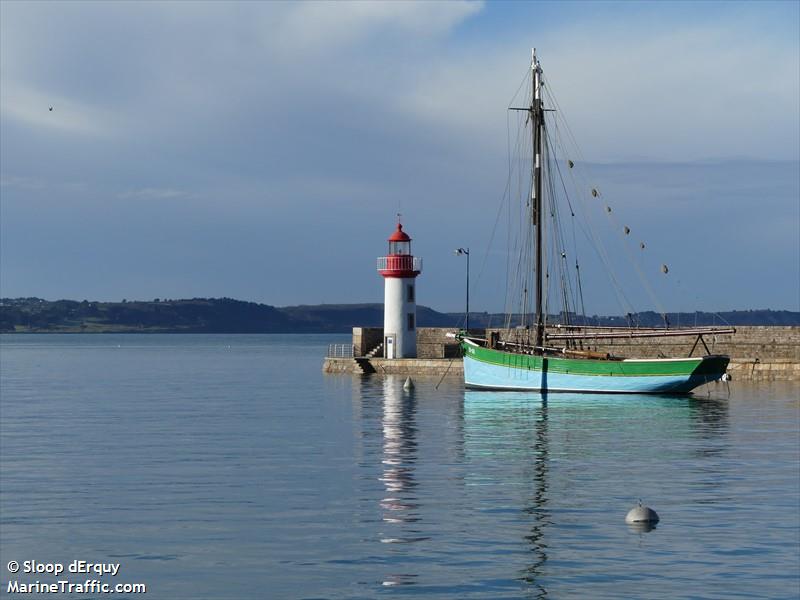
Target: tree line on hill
<point>226,315</point>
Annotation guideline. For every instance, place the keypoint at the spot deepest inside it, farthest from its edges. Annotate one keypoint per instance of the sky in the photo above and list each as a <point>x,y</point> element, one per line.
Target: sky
<point>261,150</point>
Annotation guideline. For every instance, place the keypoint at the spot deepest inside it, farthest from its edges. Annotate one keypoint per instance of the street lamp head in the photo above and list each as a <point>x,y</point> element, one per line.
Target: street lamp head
<point>460,251</point>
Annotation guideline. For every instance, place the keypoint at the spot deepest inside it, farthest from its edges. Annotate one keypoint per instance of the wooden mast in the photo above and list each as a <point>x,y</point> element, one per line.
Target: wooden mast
<point>537,122</point>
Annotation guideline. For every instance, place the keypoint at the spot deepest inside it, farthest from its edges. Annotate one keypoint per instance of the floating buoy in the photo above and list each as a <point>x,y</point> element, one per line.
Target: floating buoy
<point>595,193</point>
<point>627,230</point>
<point>408,385</point>
<point>641,245</point>
<point>570,163</point>
<point>608,209</point>
<point>664,269</point>
<point>641,515</point>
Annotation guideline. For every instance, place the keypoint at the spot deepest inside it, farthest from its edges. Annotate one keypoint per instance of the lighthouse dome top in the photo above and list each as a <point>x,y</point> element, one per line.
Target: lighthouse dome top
<point>399,235</point>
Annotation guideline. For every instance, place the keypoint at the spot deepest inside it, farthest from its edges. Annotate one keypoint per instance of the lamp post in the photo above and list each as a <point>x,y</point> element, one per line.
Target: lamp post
<point>465,251</point>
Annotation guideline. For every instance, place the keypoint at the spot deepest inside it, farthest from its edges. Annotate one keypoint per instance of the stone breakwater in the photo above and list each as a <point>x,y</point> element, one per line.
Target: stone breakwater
<point>757,353</point>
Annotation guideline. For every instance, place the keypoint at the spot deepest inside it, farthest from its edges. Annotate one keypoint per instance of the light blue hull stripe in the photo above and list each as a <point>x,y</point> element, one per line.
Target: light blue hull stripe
<point>480,374</point>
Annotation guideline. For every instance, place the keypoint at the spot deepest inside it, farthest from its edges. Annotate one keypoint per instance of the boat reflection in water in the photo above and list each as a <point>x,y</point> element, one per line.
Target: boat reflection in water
<point>550,451</point>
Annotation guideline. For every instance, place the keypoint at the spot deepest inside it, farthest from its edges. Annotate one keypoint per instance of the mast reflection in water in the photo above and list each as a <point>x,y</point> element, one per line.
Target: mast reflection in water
<point>511,428</point>
<point>545,458</point>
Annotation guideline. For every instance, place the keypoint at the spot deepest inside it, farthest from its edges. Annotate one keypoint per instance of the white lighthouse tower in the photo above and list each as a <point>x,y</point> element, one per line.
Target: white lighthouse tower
<point>399,269</point>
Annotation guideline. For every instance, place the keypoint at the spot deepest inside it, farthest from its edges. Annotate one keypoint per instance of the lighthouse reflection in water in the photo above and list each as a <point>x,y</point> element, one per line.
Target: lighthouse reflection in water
<point>399,458</point>
<point>399,505</point>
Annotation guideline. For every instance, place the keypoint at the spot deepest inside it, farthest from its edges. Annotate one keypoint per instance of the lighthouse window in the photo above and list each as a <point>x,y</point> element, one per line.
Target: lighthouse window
<point>409,293</point>
<point>411,321</point>
<point>399,247</point>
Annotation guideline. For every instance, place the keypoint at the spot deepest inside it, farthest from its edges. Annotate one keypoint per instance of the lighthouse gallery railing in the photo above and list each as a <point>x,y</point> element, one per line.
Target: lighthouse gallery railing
<point>399,263</point>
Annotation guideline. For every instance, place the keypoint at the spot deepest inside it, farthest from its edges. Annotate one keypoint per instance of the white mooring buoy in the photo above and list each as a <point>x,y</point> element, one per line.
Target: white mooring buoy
<point>642,517</point>
<point>408,385</point>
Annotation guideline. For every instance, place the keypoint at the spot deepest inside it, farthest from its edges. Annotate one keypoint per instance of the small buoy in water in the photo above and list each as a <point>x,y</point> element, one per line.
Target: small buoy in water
<point>570,163</point>
<point>608,209</point>
<point>408,385</point>
<point>641,245</point>
<point>594,192</point>
<point>664,269</point>
<point>641,515</point>
<point>627,230</point>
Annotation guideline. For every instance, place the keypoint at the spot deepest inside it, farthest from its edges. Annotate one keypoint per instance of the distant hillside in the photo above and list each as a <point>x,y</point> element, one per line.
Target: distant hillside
<point>197,315</point>
<point>207,315</point>
<point>654,319</point>
<point>225,315</point>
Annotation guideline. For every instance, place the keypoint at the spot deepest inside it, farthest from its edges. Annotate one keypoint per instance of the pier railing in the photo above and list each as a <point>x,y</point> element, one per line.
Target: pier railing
<point>340,351</point>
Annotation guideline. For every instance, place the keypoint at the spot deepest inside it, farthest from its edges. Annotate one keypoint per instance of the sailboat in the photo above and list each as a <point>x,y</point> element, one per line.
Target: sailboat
<point>537,356</point>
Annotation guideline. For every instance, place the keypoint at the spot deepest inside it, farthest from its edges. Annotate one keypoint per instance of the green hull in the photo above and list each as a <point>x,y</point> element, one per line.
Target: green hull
<point>497,369</point>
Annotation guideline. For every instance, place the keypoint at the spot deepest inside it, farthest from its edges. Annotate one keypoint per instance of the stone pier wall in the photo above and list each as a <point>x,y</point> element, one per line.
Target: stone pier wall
<point>366,339</point>
<point>757,353</point>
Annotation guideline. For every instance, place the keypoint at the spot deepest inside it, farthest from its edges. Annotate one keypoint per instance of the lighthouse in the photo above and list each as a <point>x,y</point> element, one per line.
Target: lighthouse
<point>399,270</point>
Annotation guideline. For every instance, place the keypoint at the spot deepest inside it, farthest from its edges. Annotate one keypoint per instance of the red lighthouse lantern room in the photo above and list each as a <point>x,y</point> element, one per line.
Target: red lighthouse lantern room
<point>399,262</point>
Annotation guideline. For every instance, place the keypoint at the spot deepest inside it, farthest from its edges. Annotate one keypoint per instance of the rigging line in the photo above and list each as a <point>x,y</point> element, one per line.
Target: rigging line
<point>631,257</point>
<point>511,237</point>
<point>642,278</point>
<point>521,240</point>
<point>557,241</point>
<point>563,273</point>
<point>592,236</point>
<point>599,248</point>
<point>561,249</point>
<point>494,229</point>
<point>683,290</point>
<point>508,230</point>
<point>572,223</point>
<point>515,242</point>
<point>523,236</point>
<point>520,237</point>
<point>572,290</point>
<point>523,82</point>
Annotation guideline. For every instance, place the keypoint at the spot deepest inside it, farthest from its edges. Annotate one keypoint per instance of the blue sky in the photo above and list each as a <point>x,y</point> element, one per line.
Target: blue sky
<point>261,150</point>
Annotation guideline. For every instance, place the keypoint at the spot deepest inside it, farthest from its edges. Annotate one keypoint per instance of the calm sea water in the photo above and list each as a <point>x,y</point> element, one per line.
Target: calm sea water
<point>231,467</point>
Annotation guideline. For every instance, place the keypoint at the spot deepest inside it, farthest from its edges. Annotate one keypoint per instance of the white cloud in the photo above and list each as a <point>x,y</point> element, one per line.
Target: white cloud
<point>680,93</point>
<point>327,26</point>
<point>153,193</point>
<point>25,183</point>
<point>33,107</point>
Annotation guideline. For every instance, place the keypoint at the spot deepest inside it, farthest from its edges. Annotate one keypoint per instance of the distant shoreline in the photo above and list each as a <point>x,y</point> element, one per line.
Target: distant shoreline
<point>229,316</point>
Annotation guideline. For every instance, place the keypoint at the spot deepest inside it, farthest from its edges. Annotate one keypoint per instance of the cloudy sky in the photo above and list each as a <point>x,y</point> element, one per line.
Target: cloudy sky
<point>261,150</point>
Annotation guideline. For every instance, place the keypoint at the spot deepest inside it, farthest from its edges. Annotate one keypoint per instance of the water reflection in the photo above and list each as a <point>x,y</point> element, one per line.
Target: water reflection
<point>540,431</point>
<point>399,457</point>
<point>710,423</point>
<point>537,505</point>
<point>385,415</point>
<point>513,426</point>
<point>399,505</point>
